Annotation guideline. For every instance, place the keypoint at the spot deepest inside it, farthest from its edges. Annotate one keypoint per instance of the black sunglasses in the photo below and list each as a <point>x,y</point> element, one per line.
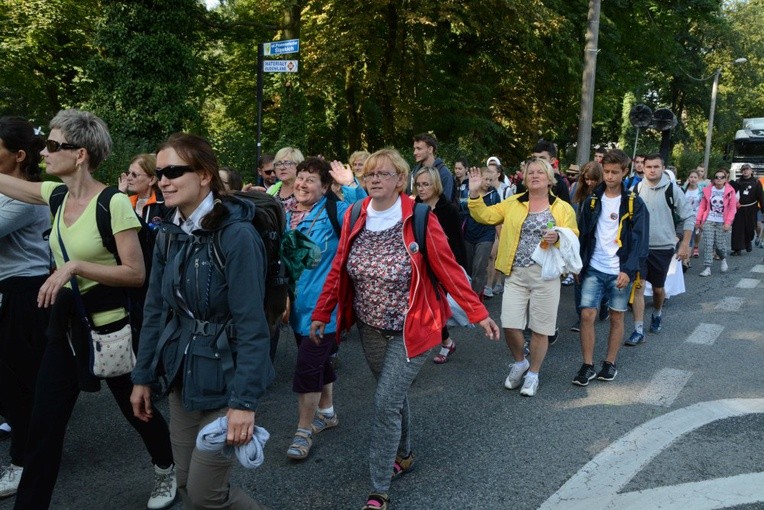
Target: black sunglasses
<point>172,171</point>
<point>54,146</point>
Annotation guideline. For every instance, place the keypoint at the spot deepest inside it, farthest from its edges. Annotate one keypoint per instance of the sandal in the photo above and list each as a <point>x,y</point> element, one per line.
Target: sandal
<point>402,465</point>
<point>444,353</point>
<point>376,501</point>
<point>695,253</point>
<point>300,447</point>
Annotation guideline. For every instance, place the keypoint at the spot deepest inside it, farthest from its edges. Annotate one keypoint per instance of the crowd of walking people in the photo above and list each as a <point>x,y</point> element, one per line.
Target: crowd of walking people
<point>173,263</point>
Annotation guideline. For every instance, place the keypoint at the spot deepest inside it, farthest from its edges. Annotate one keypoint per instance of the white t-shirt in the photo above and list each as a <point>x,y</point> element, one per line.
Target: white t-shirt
<point>604,257</point>
<point>693,197</point>
<point>716,208</point>
<point>382,220</point>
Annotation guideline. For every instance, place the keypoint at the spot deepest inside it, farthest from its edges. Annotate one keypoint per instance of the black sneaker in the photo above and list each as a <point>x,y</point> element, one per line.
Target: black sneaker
<point>553,338</point>
<point>585,374</point>
<point>604,312</point>
<point>607,372</point>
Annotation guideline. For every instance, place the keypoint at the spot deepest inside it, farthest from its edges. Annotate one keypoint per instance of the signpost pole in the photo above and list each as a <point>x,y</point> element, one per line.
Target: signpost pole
<point>260,58</point>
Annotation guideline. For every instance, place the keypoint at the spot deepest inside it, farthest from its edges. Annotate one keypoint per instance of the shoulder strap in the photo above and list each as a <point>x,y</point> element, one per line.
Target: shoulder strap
<point>355,212</point>
<point>670,196</point>
<point>103,220</point>
<point>421,215</point>
<point>57,198</point>
<point>632,196</point>
<point>331,212</point>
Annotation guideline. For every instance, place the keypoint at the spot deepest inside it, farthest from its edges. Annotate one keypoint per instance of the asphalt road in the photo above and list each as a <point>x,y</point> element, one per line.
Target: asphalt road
<point>680,427</point>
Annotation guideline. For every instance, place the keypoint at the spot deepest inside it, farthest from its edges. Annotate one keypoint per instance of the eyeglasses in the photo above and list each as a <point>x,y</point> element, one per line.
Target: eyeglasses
<point>53,146</point>
<point>135,175</point>
<point>378,175</point>
<point>720,176</point>
<point>423,184</point>
<point>172,171</point>
<point>279,164</point>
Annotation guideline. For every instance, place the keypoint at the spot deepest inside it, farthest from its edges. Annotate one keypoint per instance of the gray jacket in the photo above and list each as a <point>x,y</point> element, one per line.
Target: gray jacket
<point>205,327</point>
<point>662,229</point>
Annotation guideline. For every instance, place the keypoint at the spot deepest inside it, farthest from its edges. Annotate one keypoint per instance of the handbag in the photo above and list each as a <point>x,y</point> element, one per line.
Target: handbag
<point>111,352</point>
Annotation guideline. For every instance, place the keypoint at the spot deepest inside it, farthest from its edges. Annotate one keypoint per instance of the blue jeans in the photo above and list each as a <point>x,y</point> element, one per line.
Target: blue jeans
<point>390,434</point>
<point>597,285</point>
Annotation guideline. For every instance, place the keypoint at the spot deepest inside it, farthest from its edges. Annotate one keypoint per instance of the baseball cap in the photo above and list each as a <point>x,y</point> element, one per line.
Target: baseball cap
<point>746,165</point>
<point>493,160</point>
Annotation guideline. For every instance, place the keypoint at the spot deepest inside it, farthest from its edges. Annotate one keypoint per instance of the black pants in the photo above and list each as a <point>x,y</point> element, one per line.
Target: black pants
<point>56,393</point>
<point>22,343</point>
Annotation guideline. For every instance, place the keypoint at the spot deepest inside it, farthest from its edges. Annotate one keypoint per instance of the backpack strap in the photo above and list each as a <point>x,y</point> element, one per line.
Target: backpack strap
<point>331,212</point>
<point>57,198</point>
<point>103,220</point>
<point>355,212</point>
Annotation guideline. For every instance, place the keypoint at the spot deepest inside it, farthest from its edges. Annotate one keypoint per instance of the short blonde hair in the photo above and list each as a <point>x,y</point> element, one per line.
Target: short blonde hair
<point>545,166</point>
<point>394,158</point>
<point>291,154</point>
<point>437,184</point>
<point>364,155</point>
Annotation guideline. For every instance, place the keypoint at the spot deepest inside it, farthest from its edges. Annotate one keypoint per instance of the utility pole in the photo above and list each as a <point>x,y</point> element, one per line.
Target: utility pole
<point>587,87</point>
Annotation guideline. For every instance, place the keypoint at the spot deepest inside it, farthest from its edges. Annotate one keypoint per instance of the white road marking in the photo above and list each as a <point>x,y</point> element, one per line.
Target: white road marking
<point>730,304</point>
<point>705,334</point>
<point>758,268</point>
<point>665,387</point>
<point>597,484</point>
<point>748,283</point>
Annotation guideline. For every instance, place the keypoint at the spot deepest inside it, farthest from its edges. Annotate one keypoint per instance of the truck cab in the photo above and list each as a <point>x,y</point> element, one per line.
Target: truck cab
<point>748,147</point>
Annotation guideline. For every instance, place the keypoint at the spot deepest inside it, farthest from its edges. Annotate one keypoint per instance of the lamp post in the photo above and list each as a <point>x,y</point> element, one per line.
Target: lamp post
<point>710,132</point>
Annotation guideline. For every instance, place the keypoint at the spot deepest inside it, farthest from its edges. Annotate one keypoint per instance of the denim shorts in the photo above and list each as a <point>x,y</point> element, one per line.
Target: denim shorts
<point>597,284</point>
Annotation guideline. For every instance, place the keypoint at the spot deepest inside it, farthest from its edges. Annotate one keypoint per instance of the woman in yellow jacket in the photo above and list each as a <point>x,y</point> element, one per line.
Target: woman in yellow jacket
<point>528,300</point>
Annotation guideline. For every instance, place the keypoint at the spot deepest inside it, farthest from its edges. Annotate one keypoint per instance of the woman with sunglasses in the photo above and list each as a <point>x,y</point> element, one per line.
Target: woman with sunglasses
<point>140,182</point>
<point>285,164</point>
<point>78,143</point>
<point>205,333</point>
<point>528,300</point>
<point>714,219</point>
<point>379,280</point>
<point>24,267</point>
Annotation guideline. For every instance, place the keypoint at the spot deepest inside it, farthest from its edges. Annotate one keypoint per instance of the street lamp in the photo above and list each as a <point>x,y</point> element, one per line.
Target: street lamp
<point>709,133</point>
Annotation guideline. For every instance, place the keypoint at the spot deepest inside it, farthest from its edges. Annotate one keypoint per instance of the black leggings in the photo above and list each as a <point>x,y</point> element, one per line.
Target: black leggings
<point>56,393</point>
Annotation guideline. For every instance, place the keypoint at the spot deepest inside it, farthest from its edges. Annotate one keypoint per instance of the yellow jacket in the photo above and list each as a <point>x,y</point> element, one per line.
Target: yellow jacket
<point>512,213</point>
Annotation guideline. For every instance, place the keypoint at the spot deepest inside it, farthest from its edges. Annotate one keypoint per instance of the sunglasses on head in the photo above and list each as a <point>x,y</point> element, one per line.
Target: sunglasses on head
<point>172,171</point>
<point>54,146</point>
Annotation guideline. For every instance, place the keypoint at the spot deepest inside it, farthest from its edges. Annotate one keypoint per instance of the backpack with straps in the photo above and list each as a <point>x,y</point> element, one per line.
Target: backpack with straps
<point>669,193</point>
<point>103,222</point>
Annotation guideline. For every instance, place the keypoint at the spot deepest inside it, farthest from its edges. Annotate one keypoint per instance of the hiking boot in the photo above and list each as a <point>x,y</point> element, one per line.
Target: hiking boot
<point>585,374</point>
<point>322,422</point>
<point>165,488</point>
<point>656,323</point>
<point>705,272</point>
<point>635,339</point>
<point>607,372</point>
<point>10,476</point>
<point>724,267</point>
<point>515,377</point>
<point>530,387</point>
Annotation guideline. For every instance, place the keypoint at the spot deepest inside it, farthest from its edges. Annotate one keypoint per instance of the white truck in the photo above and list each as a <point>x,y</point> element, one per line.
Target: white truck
<point>748,147</point>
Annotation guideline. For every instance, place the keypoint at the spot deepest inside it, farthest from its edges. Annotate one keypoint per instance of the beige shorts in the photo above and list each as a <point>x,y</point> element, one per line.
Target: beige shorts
<point>529,300</point>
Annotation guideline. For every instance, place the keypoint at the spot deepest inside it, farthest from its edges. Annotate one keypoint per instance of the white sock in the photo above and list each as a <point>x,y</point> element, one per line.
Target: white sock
<point>639,327</point>
<point>329,411</point>
<point>532,375</point>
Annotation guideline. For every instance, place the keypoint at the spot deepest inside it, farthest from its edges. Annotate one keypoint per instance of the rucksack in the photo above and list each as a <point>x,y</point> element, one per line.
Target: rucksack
<point>103,222</point>
<point>669,192</point>
<point>287,254</point>
<point>331,211</point>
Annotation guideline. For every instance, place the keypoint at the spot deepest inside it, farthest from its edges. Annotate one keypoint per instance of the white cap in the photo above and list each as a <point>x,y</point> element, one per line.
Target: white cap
<point>493,160</point>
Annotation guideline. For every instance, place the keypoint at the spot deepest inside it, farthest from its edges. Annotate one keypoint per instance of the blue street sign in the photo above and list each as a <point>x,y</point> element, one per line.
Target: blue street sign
<point>281,47</point>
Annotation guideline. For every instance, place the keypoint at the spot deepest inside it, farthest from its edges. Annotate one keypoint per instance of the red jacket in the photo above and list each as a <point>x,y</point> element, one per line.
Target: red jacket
<point>427,313</point>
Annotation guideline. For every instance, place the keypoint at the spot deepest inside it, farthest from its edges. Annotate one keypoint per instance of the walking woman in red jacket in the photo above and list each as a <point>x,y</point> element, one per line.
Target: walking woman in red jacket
<point>380,279</point>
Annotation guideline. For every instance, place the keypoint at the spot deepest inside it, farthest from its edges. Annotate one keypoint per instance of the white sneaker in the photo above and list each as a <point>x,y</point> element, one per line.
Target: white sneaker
<point>706,272</point>
<point>165,488</point>
<point>530,387</point>
<point>516,372</point>
<point>488,291</point>
<point>725,267</point>
<point>10,476</point>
